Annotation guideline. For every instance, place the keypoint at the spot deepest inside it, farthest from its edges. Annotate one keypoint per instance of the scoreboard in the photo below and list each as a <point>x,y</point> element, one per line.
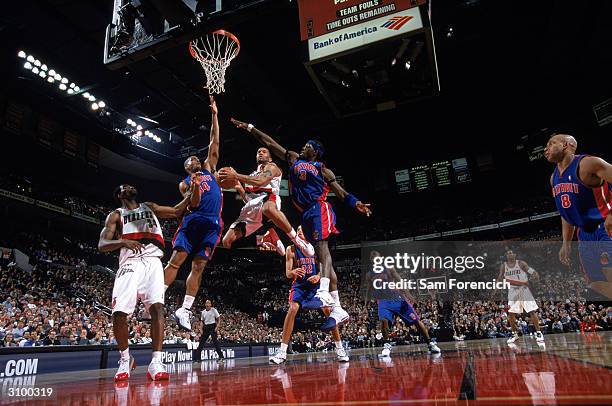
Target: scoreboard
<point>432,175</point>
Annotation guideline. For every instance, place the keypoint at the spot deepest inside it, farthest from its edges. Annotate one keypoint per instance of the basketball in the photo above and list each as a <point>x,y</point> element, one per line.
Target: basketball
<point>226,183</point>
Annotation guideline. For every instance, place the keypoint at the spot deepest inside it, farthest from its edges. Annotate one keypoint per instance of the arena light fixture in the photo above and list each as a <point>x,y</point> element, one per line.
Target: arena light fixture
<point>42,74</point>
<point>21,54</point>
<point>50,79</point>
<point>94,106</point>
<point>58,76</point>
<point>92,98</point>
<point>27,65</point>
<point>44,67</point>
<point>86,95</point>
<point>70,91</point>
<point>72,85</point>
<point>65,81</point>
<point>35,70</point>
<point>139,127</point>
<point>52,72</point>
<point>77,89</point>
<point>101,104</point>
<point>37,62</point>
<point>30,59</point>
<point>139,133</point>
<point>62,86</point>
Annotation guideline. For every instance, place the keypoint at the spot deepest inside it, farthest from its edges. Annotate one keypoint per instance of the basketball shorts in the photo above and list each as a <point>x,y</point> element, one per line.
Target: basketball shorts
<point>521,300</point>
<point>138,278</point>
<point>319,222</point>
<point>305,296</point>
<point>198,235</point>
<point>595,251</point>
<point>251,215</point>
<point>387,309</point>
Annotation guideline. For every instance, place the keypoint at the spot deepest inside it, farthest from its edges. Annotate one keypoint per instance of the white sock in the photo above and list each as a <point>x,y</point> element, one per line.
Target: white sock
<point>125,354</point>
<point>156,356</point>
<point>336,298</point>
<point>338,345</point>
<point>324,284</point>
<point>188,302</point>
<point>165,288</point>
<point>283,347</point>
<point>292,234</point>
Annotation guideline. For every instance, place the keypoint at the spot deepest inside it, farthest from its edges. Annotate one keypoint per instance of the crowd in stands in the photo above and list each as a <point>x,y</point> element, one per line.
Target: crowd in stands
<point>65,298</point>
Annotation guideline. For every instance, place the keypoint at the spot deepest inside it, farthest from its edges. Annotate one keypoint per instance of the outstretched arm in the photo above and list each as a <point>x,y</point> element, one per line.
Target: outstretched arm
<point>274,147</point>
<point>108,243</point>
<point>167,212</point>
<point>270,171</point>
<point>345,196</point>
<point>213,147</point>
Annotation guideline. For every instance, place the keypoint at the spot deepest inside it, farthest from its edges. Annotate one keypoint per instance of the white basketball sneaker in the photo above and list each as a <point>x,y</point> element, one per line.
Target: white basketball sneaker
<point>157,371</point>
<point>386,352</point>
<point>539,337</point>
<point>279,358</point>
<point>183,318</point>
<point>342,355</point>
<point>125,366</point>
<point>433,348</point>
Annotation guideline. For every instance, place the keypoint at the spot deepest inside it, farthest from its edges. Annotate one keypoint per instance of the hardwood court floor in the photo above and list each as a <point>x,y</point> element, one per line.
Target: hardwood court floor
<point>568,369</point>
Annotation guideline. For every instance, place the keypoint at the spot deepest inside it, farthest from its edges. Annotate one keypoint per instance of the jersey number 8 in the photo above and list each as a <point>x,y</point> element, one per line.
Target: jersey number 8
<point>565,201</point>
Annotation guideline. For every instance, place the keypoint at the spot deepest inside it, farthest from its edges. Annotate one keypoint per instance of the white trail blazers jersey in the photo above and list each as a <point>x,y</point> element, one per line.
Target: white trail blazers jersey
<point>515,275</point>
<point>272,188</point>
<point>141,225</point>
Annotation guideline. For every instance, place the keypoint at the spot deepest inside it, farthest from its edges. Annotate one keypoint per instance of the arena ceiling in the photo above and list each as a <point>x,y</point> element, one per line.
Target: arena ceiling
<point>506,68</point>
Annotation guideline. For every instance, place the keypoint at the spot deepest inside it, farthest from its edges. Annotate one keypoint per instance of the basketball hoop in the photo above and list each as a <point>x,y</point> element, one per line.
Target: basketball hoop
<point>215,52</point>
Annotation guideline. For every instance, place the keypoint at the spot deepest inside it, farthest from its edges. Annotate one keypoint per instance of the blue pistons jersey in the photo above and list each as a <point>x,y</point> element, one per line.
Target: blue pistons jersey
<point>579,205</point>
<point>309,265</point>
<point>306,184</point>
<point>199,231</point>
<point>211,202</point>
<point>302,291</point>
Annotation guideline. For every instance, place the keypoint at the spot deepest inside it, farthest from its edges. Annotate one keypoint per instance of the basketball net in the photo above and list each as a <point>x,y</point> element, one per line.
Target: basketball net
<point>215,52</point>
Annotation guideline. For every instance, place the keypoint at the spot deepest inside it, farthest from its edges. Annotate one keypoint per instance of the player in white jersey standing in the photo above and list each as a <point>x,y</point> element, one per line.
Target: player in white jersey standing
<point>517,274</point>
<point>261,194</point>
<point>134,229</point>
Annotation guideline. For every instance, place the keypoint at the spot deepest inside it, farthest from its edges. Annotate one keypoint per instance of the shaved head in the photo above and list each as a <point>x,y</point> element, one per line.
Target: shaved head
<point>567,139</point>
<point>559,146</point>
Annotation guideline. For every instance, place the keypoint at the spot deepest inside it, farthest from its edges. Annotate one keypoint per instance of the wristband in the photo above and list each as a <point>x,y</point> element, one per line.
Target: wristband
<point>250,127</point>
<point>351,200</point>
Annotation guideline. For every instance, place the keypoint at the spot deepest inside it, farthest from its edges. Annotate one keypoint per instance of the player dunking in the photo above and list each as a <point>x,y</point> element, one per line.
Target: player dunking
<point>200,229</point>
<point>135,231</point>
<point>392,304</point>
<point>309,183</point>
<point>582,188</point>
<point>520,299</point>
<point>302,268</point>
<point>261,195</point>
